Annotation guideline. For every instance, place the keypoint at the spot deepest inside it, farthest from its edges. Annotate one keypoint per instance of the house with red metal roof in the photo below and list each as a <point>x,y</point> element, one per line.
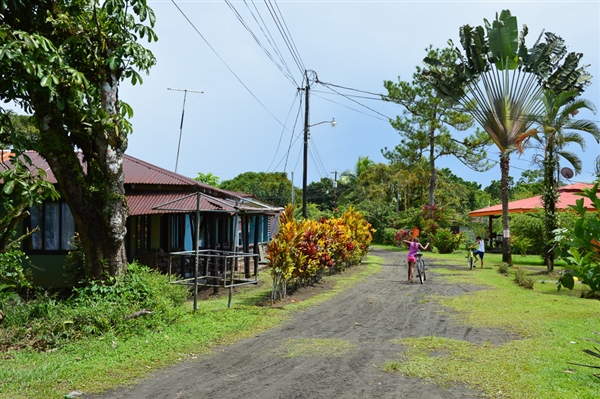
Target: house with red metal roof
<point>164,208</point>
<point>567,195</point>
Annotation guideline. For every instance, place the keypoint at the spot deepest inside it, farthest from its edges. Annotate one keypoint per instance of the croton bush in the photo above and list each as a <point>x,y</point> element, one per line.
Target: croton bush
<point>303,249</point>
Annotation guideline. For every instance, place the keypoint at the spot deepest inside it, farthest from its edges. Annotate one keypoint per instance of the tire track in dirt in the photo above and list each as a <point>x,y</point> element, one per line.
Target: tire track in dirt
<point>368,316</point>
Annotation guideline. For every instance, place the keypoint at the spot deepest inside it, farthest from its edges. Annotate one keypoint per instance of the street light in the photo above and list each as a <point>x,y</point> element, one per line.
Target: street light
<point>305,166</point>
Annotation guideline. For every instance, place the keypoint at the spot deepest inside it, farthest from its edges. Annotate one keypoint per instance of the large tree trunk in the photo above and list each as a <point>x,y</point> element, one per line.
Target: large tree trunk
<point>504,168</point>
<point>94,191</point>
<point>549,199</point>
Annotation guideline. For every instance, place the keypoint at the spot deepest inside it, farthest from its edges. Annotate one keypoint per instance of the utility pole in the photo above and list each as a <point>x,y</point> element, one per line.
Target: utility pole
<point>306,135</point>
<point>305,165</point>
<point>335,175</point>
<point>185,92</point>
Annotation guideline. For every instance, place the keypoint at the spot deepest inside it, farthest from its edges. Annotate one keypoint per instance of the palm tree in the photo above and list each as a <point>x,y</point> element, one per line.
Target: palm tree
<point>559,129</point>
<point>500,81</point>
<point>350,177</point>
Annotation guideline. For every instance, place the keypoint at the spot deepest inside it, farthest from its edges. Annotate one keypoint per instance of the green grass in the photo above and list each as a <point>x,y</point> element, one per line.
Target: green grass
<point>95,365</point>
<point>550,329</point>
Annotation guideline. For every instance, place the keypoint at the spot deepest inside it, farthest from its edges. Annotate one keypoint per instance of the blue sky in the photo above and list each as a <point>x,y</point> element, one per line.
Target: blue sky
<point>245,119</point>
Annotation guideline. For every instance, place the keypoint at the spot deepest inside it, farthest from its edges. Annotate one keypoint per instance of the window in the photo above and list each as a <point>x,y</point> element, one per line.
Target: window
<point>56,224</point>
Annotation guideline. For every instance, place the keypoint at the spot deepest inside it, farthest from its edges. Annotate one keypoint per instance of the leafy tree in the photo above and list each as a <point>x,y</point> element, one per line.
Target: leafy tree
<point>462,189</point>
<point>273,187</point>
<point>557,129</point>
<point>324,194</point>
<point>23,185</point>
<point>529,184</point>
<point>495,189</point>
<point>499,81</point>
<point>581,248</point>
<point>62,61</point>
<point>426,123</point>
<point>208,178</point>
<point>350,177</point>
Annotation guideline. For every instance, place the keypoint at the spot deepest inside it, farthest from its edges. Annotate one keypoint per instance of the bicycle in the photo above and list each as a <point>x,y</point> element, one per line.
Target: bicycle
<point>420,266</point>
<point>470,258</point>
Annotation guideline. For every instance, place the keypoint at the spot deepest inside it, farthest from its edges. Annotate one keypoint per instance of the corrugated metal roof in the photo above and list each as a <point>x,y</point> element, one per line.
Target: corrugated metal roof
<point>138,172</point>
<point>173,202</point>
<point>567,196</point>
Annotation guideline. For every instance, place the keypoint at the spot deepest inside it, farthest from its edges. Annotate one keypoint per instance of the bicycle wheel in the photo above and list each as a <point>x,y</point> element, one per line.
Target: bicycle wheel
<point>470,261</point>
<point>421,270</point>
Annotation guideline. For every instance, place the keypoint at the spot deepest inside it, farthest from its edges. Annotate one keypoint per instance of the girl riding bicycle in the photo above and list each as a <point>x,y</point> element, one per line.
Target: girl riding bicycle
<point>413,248</point>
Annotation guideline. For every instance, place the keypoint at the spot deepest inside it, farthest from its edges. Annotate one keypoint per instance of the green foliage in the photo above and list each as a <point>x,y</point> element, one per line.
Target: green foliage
<point>273,187</point>
<point>303,250</point>
<point>503,268</point>
<point>520,275</point>
<point>528,282</point>
<point>557,129</point>
<point>521,244</point>
<point>528,232</point>
<point>427,123</point>
<point>208,178</point>
<point>499,81</point>
<point>313,212</point>
<point>74,269</point>
<point>389,236</point>
<point>324,194</point>
<point>581,246</point>
<point>62,62</point>
<point>446,241</point>
<point>97,309</point>
<point>12,276</point>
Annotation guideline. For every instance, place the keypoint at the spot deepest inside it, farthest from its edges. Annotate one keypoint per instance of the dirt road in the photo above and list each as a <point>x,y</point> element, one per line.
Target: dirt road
<point>359,322</point>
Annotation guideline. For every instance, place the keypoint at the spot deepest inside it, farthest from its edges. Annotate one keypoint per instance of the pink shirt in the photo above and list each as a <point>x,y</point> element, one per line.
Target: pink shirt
<point>413,249</point>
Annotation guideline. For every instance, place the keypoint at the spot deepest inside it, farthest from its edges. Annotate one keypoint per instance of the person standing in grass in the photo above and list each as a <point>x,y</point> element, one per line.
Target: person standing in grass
<point>411,258</point>
<point>480,244</point>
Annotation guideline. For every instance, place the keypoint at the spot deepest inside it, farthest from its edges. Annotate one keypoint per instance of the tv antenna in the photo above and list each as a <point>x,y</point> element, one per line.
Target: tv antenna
<point>185,92</point>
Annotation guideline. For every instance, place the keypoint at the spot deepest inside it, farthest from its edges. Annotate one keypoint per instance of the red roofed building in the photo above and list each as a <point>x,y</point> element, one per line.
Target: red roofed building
<point>163,208</point>
<point>567,196</point>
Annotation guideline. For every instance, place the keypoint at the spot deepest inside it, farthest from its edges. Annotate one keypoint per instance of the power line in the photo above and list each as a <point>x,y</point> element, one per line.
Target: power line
<point>285,33</point>
<point>223,61</point>
<point>284,69</point>
<point>281,135</point>
<point>354,101</point>
<point>354,109</point>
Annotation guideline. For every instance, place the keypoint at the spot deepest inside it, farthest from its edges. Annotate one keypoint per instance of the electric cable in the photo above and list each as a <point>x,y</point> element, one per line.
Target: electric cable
<point>282,132</point>
<point>286,39</point>
<point>223,61</point>
<point>270,38</point>
<point>287,74</point>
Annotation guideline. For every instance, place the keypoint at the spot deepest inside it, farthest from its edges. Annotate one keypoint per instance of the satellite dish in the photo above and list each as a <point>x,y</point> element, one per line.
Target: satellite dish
<point>567,173</point>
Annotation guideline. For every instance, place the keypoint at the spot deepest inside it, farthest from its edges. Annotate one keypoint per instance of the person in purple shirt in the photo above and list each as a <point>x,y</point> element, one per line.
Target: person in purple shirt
<point>413,248</point>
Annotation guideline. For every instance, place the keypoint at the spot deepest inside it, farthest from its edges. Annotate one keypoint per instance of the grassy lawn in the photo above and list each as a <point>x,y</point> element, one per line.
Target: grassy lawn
<point>95,365</point>
<point>554,328</point>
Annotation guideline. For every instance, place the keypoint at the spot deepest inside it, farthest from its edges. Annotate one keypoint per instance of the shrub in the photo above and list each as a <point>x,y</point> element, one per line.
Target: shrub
<point>94,310</point>
<point>528,282</point>
<point>529,229</point>
<point>402,235</point>
<point>389,236</point>
<point>520,275</point>
<point>12,276</point>
<point>503,268</point>
<point>521,244</point>
<point>581,246</point>
<point>302,250</point>
<point>446,241</point>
